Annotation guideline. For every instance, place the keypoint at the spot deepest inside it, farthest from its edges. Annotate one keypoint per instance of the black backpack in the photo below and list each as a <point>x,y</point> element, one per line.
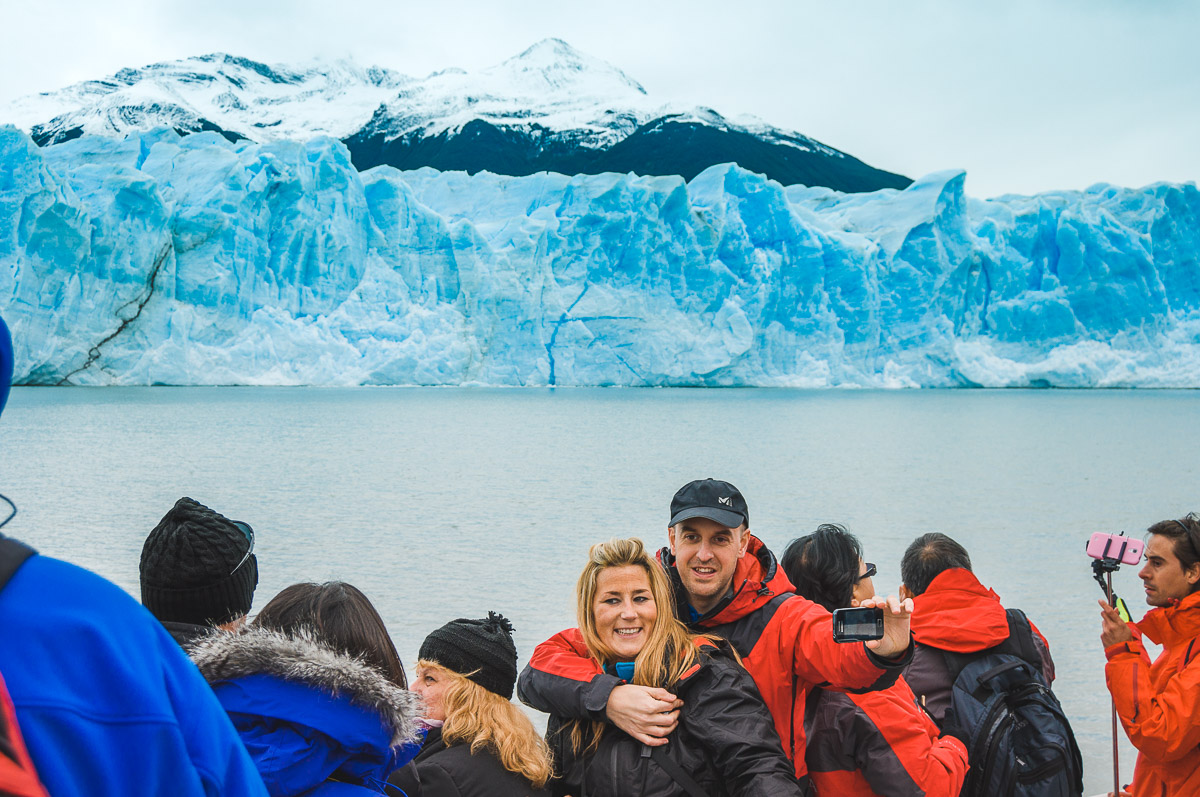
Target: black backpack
<point>1019,742</point>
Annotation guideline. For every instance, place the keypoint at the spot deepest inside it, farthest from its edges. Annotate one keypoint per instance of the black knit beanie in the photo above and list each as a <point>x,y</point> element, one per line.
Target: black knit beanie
<point>190,570</point>
<point>481,650</point>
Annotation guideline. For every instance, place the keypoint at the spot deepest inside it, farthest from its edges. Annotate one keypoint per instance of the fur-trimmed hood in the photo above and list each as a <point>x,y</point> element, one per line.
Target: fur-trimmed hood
<point>302,659</point>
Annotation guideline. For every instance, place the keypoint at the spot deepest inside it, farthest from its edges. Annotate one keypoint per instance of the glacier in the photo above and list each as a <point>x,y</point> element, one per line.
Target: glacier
<point>193,260</point>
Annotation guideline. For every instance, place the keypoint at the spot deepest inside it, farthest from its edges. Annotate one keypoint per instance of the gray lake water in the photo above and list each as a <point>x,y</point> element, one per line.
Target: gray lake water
<point>444,503</point>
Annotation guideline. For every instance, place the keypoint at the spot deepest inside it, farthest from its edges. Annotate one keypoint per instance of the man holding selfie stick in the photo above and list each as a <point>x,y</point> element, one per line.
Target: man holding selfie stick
<point>1159,703</point>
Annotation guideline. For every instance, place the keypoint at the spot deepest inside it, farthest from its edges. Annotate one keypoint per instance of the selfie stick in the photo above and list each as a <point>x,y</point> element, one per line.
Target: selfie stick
<point>1107,565</point>
<point>1113,701</point>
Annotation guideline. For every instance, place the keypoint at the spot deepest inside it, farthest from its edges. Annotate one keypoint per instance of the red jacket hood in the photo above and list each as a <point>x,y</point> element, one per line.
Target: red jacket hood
<point>1167,625</point>
<point>958,614</point>
<point>756,580</point>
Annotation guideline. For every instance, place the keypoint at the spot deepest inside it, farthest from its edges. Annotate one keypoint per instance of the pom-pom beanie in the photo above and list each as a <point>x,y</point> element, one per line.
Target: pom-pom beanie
<point>481,650</point>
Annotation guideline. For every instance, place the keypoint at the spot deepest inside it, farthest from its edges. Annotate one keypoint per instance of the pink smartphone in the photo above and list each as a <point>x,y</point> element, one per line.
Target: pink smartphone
<point>1115,546</point>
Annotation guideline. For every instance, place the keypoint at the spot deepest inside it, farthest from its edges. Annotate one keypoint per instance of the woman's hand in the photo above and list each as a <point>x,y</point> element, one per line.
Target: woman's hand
<point>647,713</point>
<point>896,635</point>
<point>1115,630</point>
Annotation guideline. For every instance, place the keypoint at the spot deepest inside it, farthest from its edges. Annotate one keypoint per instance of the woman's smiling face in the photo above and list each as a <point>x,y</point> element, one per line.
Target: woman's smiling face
<point>624,609</point>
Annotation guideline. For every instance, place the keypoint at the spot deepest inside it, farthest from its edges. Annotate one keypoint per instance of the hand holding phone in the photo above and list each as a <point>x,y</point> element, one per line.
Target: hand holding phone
<point>857,625</point>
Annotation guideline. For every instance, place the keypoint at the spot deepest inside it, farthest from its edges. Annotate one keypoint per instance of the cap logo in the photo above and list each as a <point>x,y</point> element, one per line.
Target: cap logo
<point>726,501</point>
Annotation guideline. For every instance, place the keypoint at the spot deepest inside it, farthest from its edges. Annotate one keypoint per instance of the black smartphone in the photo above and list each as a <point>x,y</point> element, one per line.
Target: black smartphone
<point>856,625</point>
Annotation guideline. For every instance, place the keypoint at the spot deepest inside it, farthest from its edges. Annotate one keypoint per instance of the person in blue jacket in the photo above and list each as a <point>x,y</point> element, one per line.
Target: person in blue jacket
<point>317,692</point>
<point>106,700</point>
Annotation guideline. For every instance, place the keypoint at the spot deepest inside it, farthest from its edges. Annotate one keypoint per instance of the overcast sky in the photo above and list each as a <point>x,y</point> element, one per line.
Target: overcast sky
<point>1026,95</point>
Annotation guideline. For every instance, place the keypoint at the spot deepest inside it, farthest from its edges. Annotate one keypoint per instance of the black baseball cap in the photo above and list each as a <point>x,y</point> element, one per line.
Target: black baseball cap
<point>718,501</point>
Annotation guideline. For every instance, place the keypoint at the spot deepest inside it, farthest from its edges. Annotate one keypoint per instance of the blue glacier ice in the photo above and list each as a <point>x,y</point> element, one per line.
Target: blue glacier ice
<point>163,259</point>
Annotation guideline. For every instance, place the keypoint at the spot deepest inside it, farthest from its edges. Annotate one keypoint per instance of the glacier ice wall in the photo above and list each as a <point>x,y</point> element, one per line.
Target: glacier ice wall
<point>163,259</point>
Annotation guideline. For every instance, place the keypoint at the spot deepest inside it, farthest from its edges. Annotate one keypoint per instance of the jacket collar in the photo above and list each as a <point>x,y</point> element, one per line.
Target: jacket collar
<point>1167,625</point>
<point>756,580</point>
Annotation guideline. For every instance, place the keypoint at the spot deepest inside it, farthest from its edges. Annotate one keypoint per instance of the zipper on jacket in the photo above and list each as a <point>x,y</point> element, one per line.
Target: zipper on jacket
<point>644,765</point>
<point>791,751</point>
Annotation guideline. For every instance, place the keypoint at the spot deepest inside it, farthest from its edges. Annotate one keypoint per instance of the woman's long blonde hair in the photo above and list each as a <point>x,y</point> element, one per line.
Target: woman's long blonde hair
<point>483,719</point>
<point>670,648</point>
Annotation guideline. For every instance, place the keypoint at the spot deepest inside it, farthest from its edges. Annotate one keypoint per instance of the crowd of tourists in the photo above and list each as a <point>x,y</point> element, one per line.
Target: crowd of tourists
<point>709,667</point>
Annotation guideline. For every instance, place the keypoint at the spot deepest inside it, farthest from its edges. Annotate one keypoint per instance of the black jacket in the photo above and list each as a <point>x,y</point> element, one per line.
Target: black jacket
<point>453,771</point>
<point>725,741</point>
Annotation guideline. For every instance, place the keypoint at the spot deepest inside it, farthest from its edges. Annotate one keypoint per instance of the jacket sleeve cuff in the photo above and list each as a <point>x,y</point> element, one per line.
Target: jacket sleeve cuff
<point>1133,646</point>
<point>954,743</point>
<point>595,699</point>
<point>887,663</point>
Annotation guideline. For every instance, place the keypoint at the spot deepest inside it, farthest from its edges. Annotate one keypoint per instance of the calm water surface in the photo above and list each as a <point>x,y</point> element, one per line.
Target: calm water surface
<point>447,503</point>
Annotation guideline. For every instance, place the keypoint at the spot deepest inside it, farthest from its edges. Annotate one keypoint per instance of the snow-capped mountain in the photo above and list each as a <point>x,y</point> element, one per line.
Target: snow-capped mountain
<point>550,108</point>
<point>234,96</point>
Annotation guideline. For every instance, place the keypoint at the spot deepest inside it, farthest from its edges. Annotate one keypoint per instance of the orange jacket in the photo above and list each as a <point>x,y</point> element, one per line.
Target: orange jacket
<point>1159,703</point>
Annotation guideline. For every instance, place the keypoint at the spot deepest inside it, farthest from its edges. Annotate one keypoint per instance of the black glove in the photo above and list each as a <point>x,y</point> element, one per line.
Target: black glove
<point>951,727</point>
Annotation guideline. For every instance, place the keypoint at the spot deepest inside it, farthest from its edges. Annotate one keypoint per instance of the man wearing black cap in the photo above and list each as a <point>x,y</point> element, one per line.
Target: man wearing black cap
<point>728,583</point>
<point>198,571</point>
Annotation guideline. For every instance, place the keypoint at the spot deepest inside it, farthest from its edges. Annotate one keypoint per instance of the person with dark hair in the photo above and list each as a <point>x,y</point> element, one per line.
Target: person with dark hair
<point>726,582</point>
<point>105,700</point>
<point>1159,703</point>
<point>983,674</point>
<point>316,690</point>
<point>927,557</point>
<point>198,571</point>
<point>952,612</point>
<point>874,743</point>
<point>478,744</point>
<point>828,563</point>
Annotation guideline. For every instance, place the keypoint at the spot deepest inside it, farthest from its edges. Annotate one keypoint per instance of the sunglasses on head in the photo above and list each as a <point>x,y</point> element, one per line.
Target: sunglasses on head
<point>244,528</point>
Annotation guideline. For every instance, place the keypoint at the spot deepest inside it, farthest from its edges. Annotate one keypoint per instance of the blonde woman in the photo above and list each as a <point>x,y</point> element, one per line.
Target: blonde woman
<point>478,744</point>
<point>725,743</point>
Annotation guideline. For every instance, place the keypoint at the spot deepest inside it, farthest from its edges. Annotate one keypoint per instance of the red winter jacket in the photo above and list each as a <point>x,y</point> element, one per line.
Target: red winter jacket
<point>1159,704</point>
<point>880,743</point>
<point>785,641</point>
<point>958,614</point>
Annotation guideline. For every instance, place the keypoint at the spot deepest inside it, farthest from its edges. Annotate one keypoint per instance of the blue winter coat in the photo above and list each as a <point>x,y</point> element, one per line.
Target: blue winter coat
<point>315,721</point>
<point>106,700</point>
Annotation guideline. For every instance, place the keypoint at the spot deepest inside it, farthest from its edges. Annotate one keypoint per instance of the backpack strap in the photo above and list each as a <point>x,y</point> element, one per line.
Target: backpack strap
<point>12,555</point>
<point>1020,639</point>
<point>660,757</point>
